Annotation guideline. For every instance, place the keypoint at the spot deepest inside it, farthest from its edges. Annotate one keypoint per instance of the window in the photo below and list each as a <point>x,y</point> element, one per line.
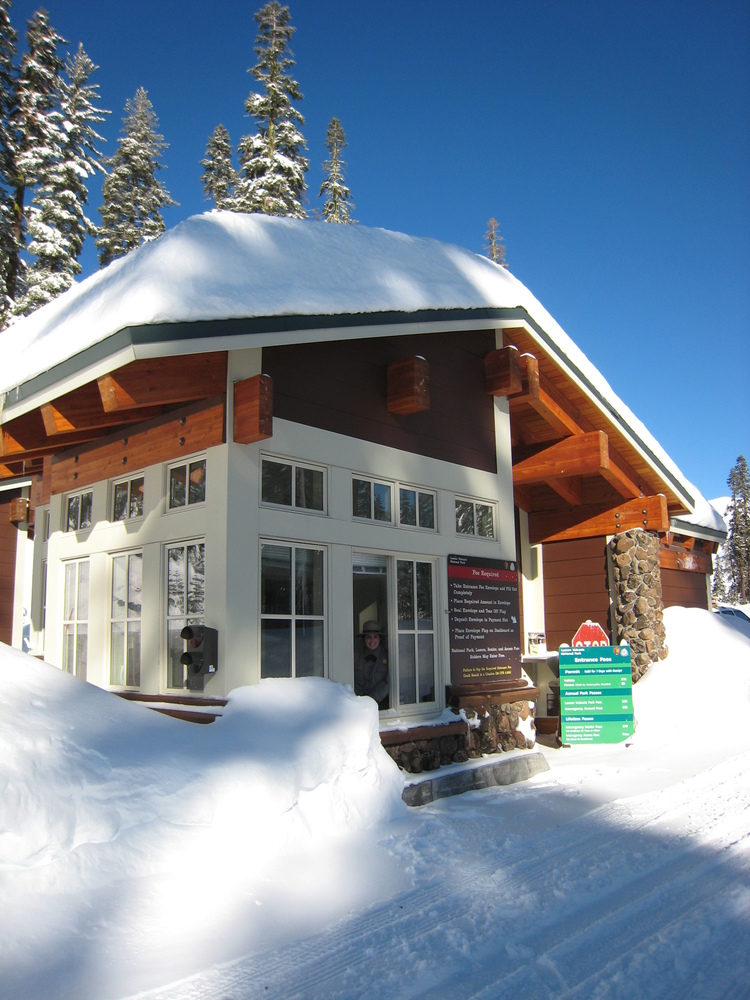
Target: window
<point>289,484</point>
<point>292,610</point>
<point>187,484</point>
<point>79,511</point>
<point>125,620</point>
<point>186,598</point>
<point>416,508</point>
<point>372,501</point>
<point>76,618</point>
<point>416,632</point>
<point>127,499</point>
<point>475,517</point>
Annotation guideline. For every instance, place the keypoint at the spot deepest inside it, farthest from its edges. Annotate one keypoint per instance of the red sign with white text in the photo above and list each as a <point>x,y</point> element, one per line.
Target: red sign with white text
<point>590,634</point>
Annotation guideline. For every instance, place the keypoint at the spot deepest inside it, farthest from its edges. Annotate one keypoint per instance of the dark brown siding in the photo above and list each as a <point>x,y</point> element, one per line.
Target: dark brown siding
<point>683,589</point>
<point>576,587</point>
<point>341,387</point>
<point>8,544</point>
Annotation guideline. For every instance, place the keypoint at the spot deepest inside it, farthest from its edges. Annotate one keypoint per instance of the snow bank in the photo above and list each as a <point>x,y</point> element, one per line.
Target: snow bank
<point>682,700</point>
<point>291,763</point>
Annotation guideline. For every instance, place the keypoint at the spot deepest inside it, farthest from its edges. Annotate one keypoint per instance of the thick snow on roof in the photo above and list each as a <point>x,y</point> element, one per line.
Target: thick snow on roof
<point>224,265</point>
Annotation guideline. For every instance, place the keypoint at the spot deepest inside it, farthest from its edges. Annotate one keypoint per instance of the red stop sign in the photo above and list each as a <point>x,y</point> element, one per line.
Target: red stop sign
<point>590,634</point>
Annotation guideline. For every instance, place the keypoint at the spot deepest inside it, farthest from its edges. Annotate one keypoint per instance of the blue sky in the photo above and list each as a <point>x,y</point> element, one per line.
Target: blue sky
<point>610,139</point>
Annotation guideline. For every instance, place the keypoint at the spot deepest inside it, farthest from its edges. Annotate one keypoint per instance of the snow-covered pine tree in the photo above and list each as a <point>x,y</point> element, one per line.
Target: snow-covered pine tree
<point>133,196</point>
<point>219,176</point>
<point>8,248</point>
<point>36,129</point>
<point>57,223</point>
<point>272,164</point>
<point>493,243</point>
<point>738,542</point>
<point>338,204</point>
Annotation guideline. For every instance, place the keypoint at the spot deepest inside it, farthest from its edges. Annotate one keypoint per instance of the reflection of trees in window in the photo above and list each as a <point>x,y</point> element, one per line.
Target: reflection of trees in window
<point>291,485</point>
<point>416,652</point>
<point>416,508</point>
<point>186,593</point>
<point>79,511</point>
<point>187,483</point>
<point>475,518</point>
<point>76,611</point>
<point>128,499</point>
<point>125,643</point>
<point>362,498</point>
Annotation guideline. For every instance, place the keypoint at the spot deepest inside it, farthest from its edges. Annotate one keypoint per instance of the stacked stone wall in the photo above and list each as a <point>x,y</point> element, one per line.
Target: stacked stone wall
<point>637,597</point>
<point>494,729</point>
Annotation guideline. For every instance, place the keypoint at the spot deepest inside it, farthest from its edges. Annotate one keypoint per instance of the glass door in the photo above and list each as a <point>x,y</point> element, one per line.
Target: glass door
<point>399,594</point>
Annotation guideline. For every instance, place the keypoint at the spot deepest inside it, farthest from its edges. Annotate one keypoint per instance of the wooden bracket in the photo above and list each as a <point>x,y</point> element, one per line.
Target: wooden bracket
<point>409,386</point>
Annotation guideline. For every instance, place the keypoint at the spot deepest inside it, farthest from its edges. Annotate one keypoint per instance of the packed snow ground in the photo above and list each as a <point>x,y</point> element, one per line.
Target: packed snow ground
<point>270,854</point>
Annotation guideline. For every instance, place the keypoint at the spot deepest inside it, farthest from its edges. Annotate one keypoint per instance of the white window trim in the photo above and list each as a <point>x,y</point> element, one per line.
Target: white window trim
<point>492,504</point>
<point>72,496</point>
<point>295,464</point>
<point>395,486</point>
<point>164,615</point>
<point>325,617</point>
<point>113,486</point>
<point>126,620</point>
<point>184,462</point>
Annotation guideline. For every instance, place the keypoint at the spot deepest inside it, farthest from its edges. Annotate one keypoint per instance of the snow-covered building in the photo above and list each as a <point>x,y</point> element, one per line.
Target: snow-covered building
<point>282,429</point>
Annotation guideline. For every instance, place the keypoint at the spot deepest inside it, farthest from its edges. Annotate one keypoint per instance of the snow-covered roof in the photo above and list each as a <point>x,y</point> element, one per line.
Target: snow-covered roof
<point>223,266</point>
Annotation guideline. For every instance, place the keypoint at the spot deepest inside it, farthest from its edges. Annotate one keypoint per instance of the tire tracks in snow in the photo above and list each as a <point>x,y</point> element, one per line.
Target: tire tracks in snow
<point>589,948</point>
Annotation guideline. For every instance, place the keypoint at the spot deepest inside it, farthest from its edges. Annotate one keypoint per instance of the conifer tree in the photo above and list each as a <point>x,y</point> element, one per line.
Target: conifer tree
<point>8,246</point>
<point>493,243</point>
<point>36,124</point>
<point>57,223</point>
<point>338,204</point>
<point>272,163</point>
<point>219,176</point>
<point>738,542</point>
<point>133,196</point>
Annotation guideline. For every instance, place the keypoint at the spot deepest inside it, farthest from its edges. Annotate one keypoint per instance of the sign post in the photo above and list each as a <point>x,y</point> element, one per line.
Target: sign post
<point>596,694</point>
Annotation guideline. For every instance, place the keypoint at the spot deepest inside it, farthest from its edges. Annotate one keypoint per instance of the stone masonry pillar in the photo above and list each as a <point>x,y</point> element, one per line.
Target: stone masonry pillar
<point>637,596</point>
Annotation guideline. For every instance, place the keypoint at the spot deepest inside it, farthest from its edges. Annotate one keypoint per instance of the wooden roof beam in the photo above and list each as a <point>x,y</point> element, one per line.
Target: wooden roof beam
<point>537,393</point>
<point>650,513</point>
<point>82,409</point>
<point>584,454</point>
<point>163,381</point>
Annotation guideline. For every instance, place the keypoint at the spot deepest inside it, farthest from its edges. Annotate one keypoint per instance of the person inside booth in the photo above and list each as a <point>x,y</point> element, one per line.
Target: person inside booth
<point>371,665</point>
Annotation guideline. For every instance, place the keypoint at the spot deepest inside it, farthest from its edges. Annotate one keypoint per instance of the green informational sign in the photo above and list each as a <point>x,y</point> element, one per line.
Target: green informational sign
<point>596,694</point>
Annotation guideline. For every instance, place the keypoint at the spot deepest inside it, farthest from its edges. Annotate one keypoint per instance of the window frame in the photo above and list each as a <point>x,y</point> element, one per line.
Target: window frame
<point>78,495</point>
<point>76,624</point>
<point>294,465</point>
<point>185,463</point>
<point>184,617</point>
<point>293,616</point>
<point>129,671</point>
<point>395,487</point>
<point>476,502</point>
<point>129,480</point>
